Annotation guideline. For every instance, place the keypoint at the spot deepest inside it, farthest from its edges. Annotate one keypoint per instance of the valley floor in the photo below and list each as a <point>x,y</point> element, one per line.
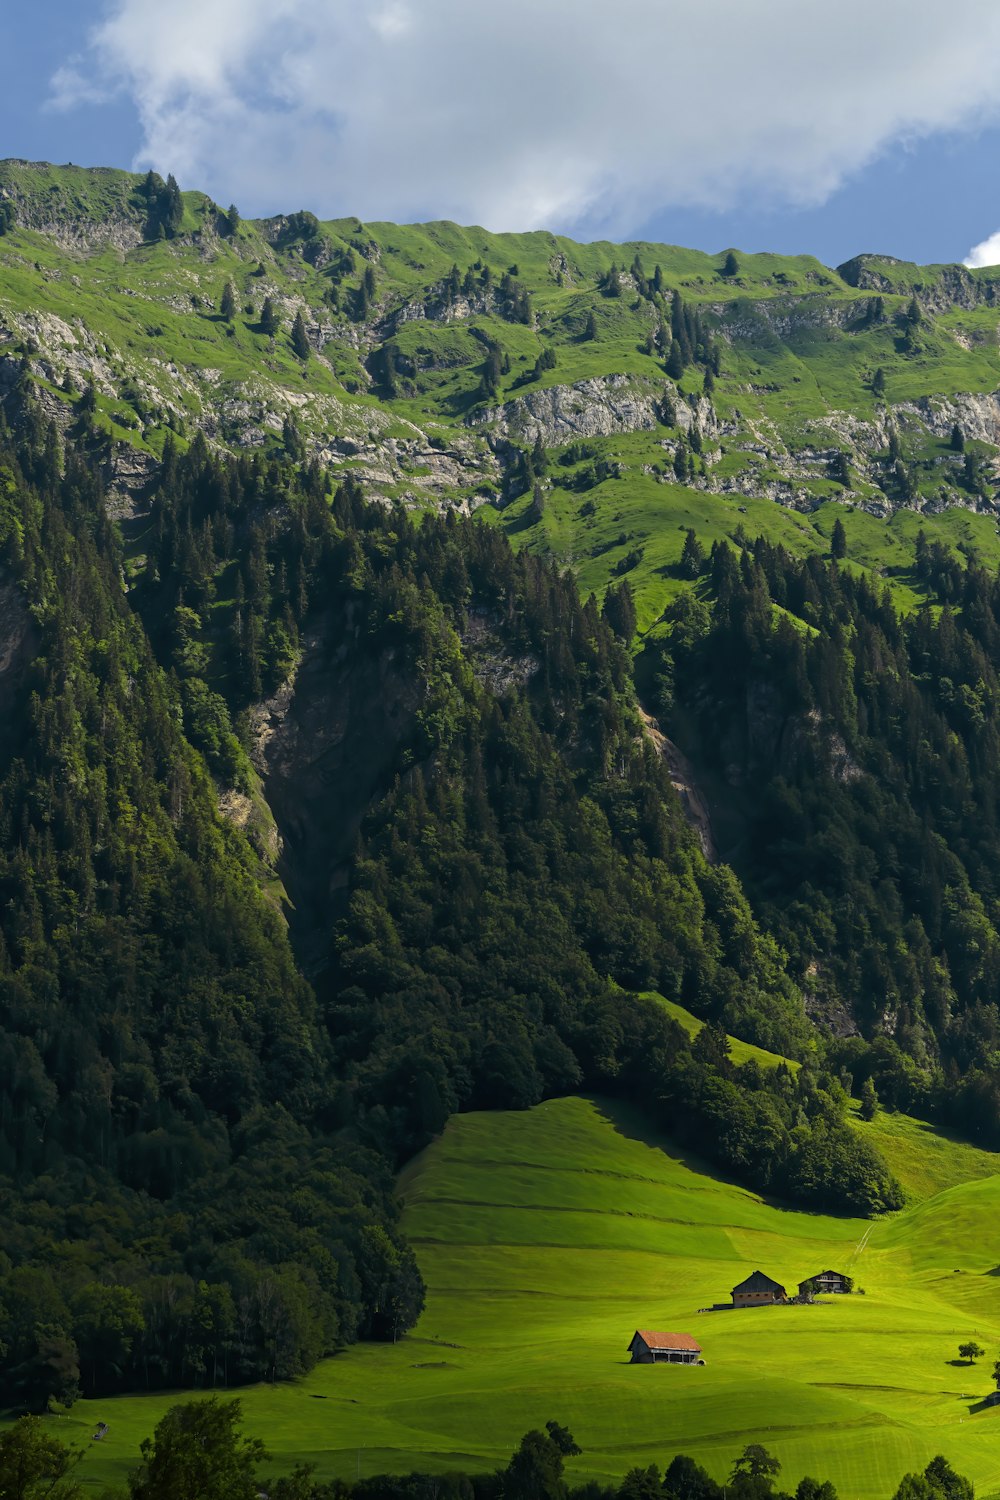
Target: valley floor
<point>547,1237</point>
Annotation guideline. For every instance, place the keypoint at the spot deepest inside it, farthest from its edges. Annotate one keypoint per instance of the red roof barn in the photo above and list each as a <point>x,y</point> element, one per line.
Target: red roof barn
<point>649,1348</point>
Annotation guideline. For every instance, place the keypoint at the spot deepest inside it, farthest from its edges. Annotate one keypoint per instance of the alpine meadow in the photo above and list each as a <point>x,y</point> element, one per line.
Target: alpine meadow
<point>499,849</point>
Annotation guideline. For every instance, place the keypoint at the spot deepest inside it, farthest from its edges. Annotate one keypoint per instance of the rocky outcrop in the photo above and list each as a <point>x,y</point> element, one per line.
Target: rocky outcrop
<point>19,642</point>
<point>683,781</point>
<point>783,317</point>
<point>498,669</point>
<point>937,288</point>
<point>598,407</point>
<point>324,746</point>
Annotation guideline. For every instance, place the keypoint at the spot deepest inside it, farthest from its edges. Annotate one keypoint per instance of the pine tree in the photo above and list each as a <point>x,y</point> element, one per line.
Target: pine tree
<point>840,469</point>
<point>619,610</point>
<point>269,318</point>
<point>590,332</point>
<point>227,306</point>
<point>300,338</point>
<point>838,540</point>
<point>233,218</point>
<point>878,382</point>
<point>731,265</point>
<point>957,439</point>
<point>970,474</point>
<point>675,361</point>
<point>869,1100</point>
<point>172,206</point>
<point>692,557</point>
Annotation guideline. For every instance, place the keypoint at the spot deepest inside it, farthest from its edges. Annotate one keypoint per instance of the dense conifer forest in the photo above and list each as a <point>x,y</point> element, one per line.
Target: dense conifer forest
<point>524,872</point>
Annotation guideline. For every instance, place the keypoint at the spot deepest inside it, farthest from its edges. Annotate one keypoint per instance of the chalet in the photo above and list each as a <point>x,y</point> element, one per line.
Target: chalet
<point>648,1348</point>
<point>757,1291</point>
<point>826,1281</point>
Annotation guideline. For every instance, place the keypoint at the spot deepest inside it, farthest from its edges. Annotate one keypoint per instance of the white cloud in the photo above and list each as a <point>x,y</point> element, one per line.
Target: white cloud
<point>986,253</point>
<point>593,114</point>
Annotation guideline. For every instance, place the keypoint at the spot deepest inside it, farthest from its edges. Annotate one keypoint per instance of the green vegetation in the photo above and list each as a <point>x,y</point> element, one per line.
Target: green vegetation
<point>843,758</point>
<point>522,854</point>
<point>295,711</point>
<point>547,1236</point>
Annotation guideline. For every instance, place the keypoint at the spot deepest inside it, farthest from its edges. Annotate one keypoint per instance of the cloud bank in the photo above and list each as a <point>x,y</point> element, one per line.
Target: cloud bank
<point>593,115</point>
<point>986,253</point>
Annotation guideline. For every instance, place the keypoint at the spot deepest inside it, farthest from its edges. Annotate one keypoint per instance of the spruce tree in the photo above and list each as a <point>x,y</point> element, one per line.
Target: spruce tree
<point>300,338</point>
<point>269,318</point>
<point>692,557</point>
<point>590,332</point>
<point>675,361</point>
<point>619,610</point>
<point>957,439</point>
<point>731,265</point>
<point>840,469</point>
<point>838,540</point>
<point>878,382</point>
<point>227,306</point>
<point>172,206</point>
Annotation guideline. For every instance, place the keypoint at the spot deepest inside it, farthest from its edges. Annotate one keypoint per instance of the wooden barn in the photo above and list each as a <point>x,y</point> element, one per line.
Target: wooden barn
<point>649,1348</point>
<point>758,1291</point>
<point>826,1281</point>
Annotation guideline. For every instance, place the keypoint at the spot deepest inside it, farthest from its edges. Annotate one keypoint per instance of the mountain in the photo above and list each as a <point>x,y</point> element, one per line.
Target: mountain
<point>422,649</point>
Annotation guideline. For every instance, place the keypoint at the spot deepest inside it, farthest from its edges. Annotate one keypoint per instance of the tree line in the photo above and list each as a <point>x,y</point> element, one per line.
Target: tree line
<point>199,1451</point>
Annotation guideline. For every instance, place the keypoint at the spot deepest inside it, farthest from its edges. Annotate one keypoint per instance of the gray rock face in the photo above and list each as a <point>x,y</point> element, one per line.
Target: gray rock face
<point>19,642</point>
<point>598,407</point>
<point>323,746</point>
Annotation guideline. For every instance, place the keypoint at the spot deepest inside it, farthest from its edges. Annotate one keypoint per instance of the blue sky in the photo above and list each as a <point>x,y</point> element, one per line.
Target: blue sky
<point>670,121</point>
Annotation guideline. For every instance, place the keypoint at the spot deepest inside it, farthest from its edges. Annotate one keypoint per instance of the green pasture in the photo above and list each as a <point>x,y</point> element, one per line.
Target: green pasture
<point>547,1237</point>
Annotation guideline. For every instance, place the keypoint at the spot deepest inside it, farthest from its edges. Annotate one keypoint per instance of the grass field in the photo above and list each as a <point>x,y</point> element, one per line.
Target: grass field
<point>547,1237</point>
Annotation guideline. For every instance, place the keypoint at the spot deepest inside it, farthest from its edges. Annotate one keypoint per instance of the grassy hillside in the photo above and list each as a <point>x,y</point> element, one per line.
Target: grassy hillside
<point>875,361</point>
<point>547,1237</point>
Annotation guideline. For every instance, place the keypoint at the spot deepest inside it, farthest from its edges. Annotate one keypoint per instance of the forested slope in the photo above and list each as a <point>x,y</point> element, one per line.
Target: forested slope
<point>198,1147</point>
<point>332,556</point>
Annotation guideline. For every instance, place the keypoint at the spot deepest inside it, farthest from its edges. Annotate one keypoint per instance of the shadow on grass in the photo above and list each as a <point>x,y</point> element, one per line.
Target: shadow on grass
<point>630,1122</point>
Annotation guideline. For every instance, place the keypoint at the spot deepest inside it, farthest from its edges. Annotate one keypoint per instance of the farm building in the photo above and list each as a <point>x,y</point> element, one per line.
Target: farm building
<point>826,1281</point>
<point>649,1348</point>
<point>758,1290</point>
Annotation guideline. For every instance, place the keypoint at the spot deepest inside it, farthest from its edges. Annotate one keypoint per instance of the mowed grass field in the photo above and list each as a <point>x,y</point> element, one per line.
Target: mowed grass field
<point>546,1237</point>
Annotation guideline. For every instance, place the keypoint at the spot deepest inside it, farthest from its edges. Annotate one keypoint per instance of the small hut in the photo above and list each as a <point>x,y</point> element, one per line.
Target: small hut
<point>649,1348</point>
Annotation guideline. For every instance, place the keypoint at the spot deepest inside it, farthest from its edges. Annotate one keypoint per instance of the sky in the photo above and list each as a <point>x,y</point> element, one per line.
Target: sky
<point>785,125</point>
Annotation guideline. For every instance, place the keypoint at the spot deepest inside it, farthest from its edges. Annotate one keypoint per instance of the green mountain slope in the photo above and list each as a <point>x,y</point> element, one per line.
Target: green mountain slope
<point>338,559</point>
<point>546,1237</point>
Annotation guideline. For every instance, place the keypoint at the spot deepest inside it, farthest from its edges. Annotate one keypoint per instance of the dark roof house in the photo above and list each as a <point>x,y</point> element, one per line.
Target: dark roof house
<point>758,1290</point>
<point>826,1281</point>
<point>650,1348</point>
